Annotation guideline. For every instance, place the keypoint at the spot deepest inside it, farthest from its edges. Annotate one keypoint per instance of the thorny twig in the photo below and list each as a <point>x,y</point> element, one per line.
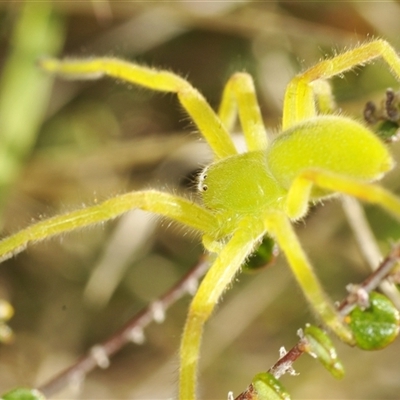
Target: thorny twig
<point>98,355</point>
<point>367,244</point>
<point>344,308</point>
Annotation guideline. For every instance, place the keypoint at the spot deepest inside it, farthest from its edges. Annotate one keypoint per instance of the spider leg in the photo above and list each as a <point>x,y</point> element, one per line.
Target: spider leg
<point>240,96</point>
<point>299,192</point>
<point>168,205</point>
<point>279,226</point>
<point>217,279</point>
<point>299,102</point>
<point>195,104</point>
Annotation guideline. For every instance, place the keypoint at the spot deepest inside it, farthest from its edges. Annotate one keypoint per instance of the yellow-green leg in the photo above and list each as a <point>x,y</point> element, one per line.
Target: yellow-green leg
<point>176,208</point>
<point>299,102</point>
<point>279,226</point>
<point>195,104</point>
<point>298,196</point>
<point>211,288</point>
<point>240,96</point>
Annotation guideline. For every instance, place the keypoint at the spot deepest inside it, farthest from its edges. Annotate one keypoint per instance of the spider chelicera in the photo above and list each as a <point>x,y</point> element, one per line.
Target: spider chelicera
<point>246,196</point>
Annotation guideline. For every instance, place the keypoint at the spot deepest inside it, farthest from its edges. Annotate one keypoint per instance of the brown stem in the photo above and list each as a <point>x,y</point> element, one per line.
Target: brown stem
<point>99,354</point>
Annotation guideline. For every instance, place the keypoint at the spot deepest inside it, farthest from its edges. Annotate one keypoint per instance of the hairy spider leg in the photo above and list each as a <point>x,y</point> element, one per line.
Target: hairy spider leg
<point>279,227</point>
<point>299,101</point>
<point>191,99</point>
<point>243,242</point>
<point>168,205</point>
<point>239,95</point>
<point>299,192</point>
<point>324,99</point>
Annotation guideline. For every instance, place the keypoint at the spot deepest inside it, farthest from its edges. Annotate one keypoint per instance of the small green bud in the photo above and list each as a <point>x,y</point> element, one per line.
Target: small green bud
<point>320,346</point>
<point>269,388</point>
<point>23,394</point>
<point>264,256</point>
<point>377,326</point>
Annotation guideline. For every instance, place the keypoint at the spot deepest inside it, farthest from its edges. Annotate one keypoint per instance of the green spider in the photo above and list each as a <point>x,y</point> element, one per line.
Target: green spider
<point>246,196</point>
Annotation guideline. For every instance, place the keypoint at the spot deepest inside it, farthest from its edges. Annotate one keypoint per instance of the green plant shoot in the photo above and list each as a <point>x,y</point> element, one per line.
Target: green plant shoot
<point>377,326</point>
<point>267,387</point>
<point>23,394</point>
<point>320,346</point>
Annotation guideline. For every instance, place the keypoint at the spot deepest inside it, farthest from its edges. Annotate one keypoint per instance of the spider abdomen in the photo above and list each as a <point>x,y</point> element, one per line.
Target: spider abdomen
<point>331,143</point>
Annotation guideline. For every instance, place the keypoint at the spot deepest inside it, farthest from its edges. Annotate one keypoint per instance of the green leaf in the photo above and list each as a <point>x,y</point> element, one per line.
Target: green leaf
<point>377,326</point>
<point>269,388</point>
<point>320,346</point>
<point>23,394</point>
<point>387,130</point>
<point>264,256</point>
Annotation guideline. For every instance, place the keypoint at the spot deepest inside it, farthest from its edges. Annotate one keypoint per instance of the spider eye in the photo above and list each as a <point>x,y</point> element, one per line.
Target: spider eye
<point>201,186</point>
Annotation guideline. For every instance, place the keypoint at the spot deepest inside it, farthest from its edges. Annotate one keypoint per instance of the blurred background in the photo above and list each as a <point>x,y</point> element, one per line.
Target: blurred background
<point>67,144</point>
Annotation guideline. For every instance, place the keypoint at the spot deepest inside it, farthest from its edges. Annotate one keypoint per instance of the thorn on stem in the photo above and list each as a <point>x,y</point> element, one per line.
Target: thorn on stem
<point>191,286</point>
<point>358,295</point>
<point>100,356</point>
<point>76,382</point>
<point>136,335</point>
<point>158,312</point>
